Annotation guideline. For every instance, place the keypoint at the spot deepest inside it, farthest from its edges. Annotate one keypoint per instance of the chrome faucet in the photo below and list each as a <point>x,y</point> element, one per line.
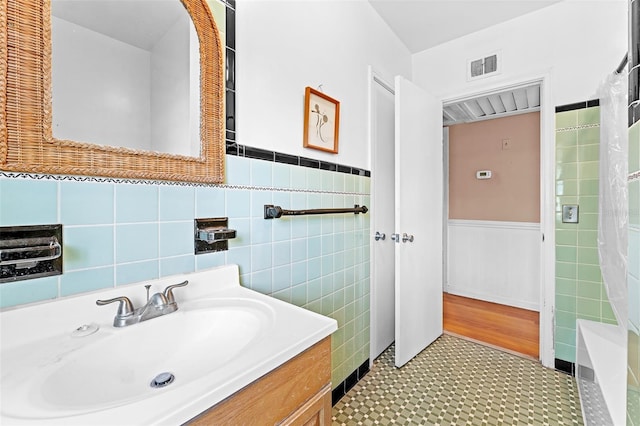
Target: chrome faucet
<point>157,305</point>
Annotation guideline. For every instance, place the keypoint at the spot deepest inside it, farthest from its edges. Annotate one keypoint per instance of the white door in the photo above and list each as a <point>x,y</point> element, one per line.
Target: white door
<point>383,256</point>
<point>418,215</point>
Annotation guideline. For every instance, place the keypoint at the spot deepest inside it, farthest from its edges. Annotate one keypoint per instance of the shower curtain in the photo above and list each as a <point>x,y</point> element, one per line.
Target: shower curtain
<point>613,204</point>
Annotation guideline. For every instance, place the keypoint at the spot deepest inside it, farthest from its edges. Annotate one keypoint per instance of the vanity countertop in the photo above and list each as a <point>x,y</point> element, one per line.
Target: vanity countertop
<point>223,337</point>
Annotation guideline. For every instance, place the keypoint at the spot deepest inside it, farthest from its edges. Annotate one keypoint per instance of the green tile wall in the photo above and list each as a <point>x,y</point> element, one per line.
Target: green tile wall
<point>579,289</point>
<point>118,233</point>
<point>633,280</point>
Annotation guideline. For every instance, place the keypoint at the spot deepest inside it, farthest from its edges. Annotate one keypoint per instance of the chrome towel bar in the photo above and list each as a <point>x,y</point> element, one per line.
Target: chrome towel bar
<point>275,212</point>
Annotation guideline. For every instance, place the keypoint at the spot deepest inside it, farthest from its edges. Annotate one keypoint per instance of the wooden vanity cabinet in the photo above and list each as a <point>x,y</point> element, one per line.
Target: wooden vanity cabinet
<point>296,393</point>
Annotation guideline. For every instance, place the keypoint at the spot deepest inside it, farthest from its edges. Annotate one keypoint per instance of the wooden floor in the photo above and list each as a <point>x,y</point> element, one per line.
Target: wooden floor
<point>506,327</point>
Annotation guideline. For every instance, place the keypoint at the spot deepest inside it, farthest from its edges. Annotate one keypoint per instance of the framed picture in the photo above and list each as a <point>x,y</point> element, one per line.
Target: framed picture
<point>321,121</point>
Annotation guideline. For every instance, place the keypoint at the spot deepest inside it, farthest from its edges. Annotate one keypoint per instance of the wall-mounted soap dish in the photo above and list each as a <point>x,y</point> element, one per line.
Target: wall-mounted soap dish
<point>215,234</point>
<point>28,252</point>
<point>212,235</point>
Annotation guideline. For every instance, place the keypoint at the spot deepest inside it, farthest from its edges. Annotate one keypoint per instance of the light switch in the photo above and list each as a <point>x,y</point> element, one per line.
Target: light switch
<point>569,214</point>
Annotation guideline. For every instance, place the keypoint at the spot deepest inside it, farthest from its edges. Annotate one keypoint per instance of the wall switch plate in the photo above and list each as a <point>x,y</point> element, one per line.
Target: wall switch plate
<point>570,213</point>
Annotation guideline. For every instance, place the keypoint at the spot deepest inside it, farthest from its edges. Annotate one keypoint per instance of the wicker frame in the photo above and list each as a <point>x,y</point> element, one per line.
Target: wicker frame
<point>26,141</point>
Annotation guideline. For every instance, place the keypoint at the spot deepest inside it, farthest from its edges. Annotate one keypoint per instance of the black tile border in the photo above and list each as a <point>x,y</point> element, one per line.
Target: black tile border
<point>593,103</point>
<point>286,159</point>
<point>309,162</point>
<point>329,166</point>
<point>634,113</point>
<point>230,108</point>
<point>578,105</point>
<point>565,366</point>
<point>343,169</point>
<point>230,30</point>
<point>231,119</point>
<point>234,148</point>
<point>363,369</point>
<point>259,154</point>
<point>230,61</point>
<point>341,390</point>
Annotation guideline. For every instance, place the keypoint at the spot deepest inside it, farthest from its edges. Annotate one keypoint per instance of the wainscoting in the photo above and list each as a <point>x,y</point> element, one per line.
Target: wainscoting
<point>495,261</point>
<point>514,329</point>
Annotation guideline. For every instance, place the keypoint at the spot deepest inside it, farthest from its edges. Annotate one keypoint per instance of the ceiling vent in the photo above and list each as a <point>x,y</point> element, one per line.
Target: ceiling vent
<point>483,67</point>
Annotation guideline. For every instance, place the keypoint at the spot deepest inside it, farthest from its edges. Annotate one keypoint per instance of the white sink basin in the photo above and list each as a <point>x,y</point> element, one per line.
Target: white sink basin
<point>215,344</point>
<point>116,366</point>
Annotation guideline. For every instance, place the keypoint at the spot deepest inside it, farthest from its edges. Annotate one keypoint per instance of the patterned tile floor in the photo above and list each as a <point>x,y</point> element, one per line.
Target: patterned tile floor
<point>457,382</point>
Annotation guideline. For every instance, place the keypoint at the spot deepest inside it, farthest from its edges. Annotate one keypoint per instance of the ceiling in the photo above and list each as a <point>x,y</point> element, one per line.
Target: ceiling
<point>140,23</point>
<point>512,101</point>
<point>422,24</point>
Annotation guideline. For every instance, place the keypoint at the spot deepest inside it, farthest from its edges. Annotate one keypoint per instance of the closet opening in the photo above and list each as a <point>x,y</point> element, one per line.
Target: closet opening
<point>492,245</point>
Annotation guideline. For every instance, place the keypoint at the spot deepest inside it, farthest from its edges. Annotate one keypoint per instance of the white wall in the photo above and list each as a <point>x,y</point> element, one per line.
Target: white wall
<point>171,97</point>
<point>284,46</point>
<point>509,275</point>
<point>577,41</point>
<point>194,90</point>
<point>106,88</point>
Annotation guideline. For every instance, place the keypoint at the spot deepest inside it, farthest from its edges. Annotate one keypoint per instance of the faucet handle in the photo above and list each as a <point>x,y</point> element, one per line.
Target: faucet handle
<point>124,309</point>
<point>168,292</point>
<point>158,300</point>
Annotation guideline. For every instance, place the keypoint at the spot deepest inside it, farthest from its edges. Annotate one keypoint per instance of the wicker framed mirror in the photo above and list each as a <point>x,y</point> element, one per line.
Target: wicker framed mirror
<point>26,140</point>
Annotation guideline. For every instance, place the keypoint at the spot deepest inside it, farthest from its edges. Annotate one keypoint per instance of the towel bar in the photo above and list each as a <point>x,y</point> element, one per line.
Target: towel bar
<point>275,212</point>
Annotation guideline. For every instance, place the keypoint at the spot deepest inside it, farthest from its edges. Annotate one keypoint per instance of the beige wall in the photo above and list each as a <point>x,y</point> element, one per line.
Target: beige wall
<point>513,192</point>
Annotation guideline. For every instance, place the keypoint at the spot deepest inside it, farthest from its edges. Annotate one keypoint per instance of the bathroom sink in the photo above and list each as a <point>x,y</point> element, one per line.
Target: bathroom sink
<point>64,362</point>
<point>116,366</point>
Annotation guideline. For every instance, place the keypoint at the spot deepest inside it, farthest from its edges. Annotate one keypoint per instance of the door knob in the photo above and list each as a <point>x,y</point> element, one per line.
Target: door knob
<point>406,238</point>
<point>379,236</point>
<point>395,237</point>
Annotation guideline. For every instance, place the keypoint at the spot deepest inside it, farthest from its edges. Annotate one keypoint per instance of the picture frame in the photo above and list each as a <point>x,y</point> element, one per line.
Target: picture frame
<point>321,121</point>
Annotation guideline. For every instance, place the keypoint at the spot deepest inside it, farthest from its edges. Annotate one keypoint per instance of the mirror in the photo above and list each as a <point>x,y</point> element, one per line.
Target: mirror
<point>126,73</point>
<point>47,131</point>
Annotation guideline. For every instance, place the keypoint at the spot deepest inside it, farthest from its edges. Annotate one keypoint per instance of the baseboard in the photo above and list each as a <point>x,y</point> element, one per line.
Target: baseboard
<point>565,366</point>
<point>341,390</point>
<point>491,298</point>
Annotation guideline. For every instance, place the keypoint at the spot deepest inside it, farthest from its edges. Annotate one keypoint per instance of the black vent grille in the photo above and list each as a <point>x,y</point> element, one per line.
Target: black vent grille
<point>483,66</point>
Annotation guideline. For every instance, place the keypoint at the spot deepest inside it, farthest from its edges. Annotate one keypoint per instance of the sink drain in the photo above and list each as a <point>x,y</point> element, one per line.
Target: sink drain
<point>162,380</point>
